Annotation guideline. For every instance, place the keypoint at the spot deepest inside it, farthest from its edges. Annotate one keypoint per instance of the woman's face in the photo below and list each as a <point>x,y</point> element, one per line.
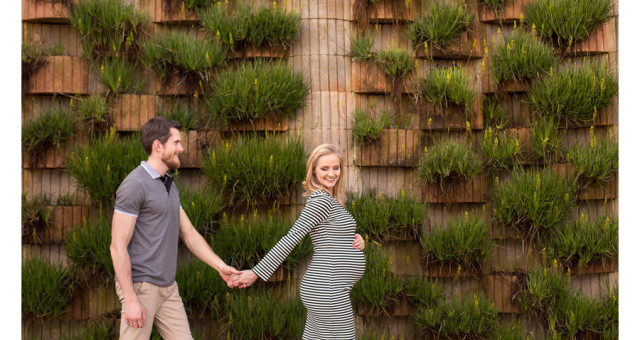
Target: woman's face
<point>327,170</point>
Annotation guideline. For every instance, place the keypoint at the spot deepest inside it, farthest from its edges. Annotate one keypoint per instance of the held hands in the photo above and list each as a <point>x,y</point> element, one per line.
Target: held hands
<point>247,277</point>
<point>359,242</point>
<point>242,280</point>
<point>226,272</point>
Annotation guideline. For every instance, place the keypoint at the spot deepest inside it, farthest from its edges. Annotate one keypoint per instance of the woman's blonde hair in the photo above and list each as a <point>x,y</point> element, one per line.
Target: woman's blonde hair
<point>311,184</point>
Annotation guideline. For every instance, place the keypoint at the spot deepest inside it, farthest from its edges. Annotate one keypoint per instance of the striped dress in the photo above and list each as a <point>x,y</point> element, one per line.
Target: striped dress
<point>335,267</point>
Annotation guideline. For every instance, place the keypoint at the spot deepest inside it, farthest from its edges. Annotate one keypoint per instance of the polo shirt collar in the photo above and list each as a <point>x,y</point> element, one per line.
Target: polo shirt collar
<point>151,171</point>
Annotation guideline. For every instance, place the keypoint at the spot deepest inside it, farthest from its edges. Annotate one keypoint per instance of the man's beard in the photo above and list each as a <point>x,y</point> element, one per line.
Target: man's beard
<point>170,163</point>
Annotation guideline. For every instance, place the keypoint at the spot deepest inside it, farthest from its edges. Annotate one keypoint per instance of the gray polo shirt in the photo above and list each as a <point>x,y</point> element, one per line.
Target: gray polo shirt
<point>153,249</point>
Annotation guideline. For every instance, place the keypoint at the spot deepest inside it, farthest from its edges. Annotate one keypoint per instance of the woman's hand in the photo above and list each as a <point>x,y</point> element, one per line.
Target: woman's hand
<point>359,242</point>
<point>243,280</point>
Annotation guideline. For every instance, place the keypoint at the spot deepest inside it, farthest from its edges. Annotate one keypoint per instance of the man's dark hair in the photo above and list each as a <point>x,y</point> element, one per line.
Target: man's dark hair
<point>156,128</point>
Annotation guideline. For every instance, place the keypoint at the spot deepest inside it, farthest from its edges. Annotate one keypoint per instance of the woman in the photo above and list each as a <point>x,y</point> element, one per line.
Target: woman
<point>338,260</point>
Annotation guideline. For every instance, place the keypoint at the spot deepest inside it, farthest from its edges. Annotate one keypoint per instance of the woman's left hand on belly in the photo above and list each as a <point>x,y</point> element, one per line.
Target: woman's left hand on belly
<point>358,243</point>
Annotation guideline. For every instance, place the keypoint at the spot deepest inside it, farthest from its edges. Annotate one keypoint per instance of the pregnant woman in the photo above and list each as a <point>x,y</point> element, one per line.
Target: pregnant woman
<point>338,260</point>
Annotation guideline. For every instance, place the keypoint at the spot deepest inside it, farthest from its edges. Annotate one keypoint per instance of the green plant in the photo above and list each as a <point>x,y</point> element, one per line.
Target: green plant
<point>94,111</point>
<point>101,329</point>
<point>378,290</point>
<point>423,292</point>
<point>445,86</point>
<point>465,241</point>
<point>513,330</point>
<point>577,316</point>
<point>257,90</point>
<point>407,214</point>
<point>87,248</point>
<point>184,58</point>
<point>545,139</point>
<point>179,6</point>
<point>260,315</point>
<point>575,93</point>
<point>441,27</point>
<point>68,199</point>
<point>565,21</point>
<point>202,206</point>
<point>460,318</point>
<point>519,56</point>
<point>49,129</point>
<point>500,149</point>
<point>448,160</point>
<point>36,217</point>
<point>543,289</point>
<point>251,168</point>
<point>494,114</point>
<point>242,26</point>
<point>361,47</point>
<point>596,163</point>
<point>495,4</point>
<point>35,53</point>
<point>242,243</point>
<point>533,201</point>
<point>366,128</point>
<point>187,118</point>
<point>395,61</point>
<point>273,26</point>
<point>34,56</point>
<point>229,25</point>
<point>108,28</point>
<point>379,217</point>
<point>201,286</point>
<point>116,74</point>
<point>102,164</point>
<point>610,314</point>
<point>371,212</point>
<point>46,288</point>
<point>584,241</point>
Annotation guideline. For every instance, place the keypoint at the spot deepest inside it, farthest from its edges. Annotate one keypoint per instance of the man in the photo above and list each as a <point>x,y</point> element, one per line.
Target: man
<point>147,221</point>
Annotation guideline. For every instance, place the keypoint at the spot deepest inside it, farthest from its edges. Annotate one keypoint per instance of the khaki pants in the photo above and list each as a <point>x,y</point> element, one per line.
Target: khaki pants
<point>162,306</point>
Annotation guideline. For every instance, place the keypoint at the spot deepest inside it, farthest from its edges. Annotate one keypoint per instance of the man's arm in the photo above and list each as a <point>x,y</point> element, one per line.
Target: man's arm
<point>201,249</point>
<point>122,227</point>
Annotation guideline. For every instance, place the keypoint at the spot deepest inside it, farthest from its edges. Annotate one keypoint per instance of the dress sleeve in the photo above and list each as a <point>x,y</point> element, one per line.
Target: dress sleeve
<point>315,212</point>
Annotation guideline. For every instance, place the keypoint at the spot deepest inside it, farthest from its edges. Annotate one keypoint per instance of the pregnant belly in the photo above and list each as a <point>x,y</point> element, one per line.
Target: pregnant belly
<point>336,268</point>
<point>330,277</point>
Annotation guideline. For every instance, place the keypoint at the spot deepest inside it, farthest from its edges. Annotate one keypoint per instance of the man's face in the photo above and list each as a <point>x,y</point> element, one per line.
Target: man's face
<point>171,149</point>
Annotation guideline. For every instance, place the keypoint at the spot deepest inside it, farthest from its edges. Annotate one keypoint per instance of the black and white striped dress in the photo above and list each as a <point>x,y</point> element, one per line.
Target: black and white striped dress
<point>335,267</point>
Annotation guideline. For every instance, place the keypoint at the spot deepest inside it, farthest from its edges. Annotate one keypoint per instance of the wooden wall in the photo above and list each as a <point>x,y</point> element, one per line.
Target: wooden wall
<point>338,87</point>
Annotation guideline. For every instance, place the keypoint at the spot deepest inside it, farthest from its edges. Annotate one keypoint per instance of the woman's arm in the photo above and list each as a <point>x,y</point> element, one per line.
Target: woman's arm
<point>315,211</point>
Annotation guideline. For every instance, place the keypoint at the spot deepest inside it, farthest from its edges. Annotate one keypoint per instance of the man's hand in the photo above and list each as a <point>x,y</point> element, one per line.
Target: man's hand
<point>359,242</point>
<point>226,271</point>
<point>134,314</point>
<point>244,279</point>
